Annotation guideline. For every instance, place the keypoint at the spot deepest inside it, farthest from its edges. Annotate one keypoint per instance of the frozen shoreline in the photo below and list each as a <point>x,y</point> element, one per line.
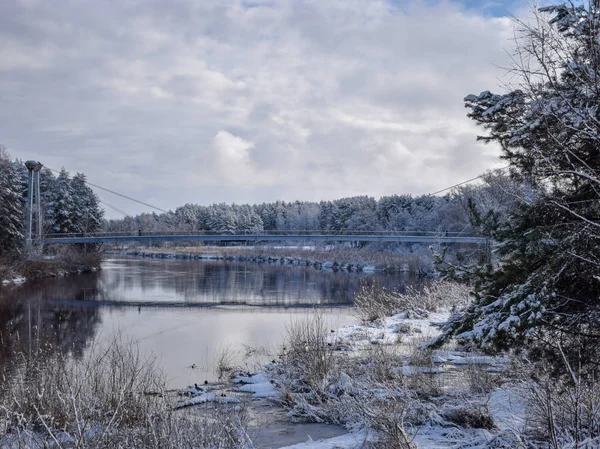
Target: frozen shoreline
<point>504,404</point>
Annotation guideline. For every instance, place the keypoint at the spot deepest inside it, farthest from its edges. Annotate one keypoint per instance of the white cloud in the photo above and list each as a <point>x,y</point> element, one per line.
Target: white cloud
<point>233,158</point>
<point>289,99</point>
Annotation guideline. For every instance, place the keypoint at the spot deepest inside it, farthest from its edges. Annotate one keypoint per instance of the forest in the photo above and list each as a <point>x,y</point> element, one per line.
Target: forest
<point>448,214</point>
<point>68,203</point>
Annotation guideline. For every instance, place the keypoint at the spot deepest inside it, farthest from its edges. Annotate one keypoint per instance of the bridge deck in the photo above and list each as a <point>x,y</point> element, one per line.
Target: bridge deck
<point>267,238</point>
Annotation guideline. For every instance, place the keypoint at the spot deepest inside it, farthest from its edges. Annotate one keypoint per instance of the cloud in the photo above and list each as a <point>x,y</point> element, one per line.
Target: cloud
<point>232,154</point>
<point>251,102</point>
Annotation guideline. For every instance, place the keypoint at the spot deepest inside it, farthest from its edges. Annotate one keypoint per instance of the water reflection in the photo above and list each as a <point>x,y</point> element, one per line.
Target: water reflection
<point>28,323</point>
<point>183,311</point>
<point>191,282</point>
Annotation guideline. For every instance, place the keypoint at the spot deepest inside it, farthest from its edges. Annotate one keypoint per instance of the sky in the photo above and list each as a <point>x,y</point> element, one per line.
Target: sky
<point>245,101</point>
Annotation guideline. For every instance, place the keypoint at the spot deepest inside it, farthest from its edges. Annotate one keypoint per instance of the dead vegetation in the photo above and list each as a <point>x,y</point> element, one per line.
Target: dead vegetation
<point>564,410</point>
<point>114,397</point>
<point>370,389</point>
<point>349,259</point>
<point>55,262</point>
<point>373,302</point>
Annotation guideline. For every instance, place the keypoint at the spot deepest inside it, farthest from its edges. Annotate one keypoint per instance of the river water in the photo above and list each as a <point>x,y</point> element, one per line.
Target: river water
<point>183,312</point>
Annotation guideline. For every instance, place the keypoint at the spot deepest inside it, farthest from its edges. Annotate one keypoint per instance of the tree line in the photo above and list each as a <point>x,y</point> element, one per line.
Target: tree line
<point>395,213</point>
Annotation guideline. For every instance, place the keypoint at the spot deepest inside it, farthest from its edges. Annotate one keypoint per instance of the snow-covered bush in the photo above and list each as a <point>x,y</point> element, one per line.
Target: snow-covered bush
<point>565,412</point>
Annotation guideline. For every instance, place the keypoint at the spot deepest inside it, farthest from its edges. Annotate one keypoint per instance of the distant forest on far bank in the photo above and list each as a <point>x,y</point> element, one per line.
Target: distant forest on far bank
<point>464,210</point>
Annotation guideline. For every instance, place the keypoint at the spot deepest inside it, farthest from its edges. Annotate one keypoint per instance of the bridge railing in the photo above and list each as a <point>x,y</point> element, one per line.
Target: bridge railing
<point>315,232</point>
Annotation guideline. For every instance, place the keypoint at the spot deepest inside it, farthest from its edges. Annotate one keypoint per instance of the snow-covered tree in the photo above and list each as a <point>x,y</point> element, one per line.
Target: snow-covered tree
<point>545,292</point>
<point>393,211</point>
<point>12,213</point>
<point>188,217</point>
<point>59,205</point>
<point>220,219</point>
<point>86,214</point>
<point>246,219</point>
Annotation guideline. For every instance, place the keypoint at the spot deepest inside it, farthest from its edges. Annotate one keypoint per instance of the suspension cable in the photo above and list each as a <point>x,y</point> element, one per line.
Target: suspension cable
<point>116,193</point>
<point>468,180</point>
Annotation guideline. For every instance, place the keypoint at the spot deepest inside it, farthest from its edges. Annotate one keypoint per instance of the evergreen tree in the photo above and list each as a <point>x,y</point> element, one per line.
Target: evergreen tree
<point>545,292</point>
<point>12,214</point>
<point>47,181</point>
<point>60,204</point>
<point>86,214</point>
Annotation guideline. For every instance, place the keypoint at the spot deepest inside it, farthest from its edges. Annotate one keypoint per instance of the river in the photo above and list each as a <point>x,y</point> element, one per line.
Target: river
<point>184,312</point>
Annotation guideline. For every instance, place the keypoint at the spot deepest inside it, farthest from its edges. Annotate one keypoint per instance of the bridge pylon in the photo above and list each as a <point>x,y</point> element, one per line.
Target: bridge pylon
<point>34,205</point>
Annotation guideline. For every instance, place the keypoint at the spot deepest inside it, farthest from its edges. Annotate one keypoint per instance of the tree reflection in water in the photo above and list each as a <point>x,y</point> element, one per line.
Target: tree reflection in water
<point>216,282</point>
<point>33,322</point>
<point>63,315</point>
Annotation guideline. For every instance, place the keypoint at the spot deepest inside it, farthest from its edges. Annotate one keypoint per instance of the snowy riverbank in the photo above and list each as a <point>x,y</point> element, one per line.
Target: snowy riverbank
<point>374,380</point>
<point>333,259</point>
<point>18,271</point>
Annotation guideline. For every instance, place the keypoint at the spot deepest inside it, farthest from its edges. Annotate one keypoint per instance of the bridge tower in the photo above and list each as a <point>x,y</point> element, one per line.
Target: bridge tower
<point>34,205</point>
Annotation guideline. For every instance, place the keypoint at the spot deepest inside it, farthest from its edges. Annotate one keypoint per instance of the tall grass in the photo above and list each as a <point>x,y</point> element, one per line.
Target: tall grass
<point>115,397</point>
<point>373,302</point>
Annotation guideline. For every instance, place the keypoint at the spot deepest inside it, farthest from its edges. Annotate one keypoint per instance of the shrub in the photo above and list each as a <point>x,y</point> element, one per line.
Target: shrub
<point>564,410</point>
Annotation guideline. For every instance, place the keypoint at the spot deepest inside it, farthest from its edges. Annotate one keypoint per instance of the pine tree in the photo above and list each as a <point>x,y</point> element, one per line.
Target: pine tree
<point>86,214</point>
<point>60,205</point>
<point>47,186</point>
<point>545,292</point>
<point>12,214</point>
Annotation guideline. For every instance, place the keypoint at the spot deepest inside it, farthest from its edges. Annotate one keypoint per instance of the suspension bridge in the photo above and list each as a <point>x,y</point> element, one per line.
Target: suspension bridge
<point>35,236</point>
<point>266,236</point>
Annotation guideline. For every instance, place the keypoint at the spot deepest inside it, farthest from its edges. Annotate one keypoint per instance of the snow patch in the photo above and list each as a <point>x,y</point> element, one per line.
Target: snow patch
<point>206,397</point>
<point>257,384</point>
<point>348,441</point>
<point>17,280</point>
<point>508,408</point>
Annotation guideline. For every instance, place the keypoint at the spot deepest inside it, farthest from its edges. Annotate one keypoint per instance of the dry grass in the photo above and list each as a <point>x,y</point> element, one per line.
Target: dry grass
<point>388,390</point>
<point>479,379</point>
<point>367,389</point>
<point>349,258</point>
<point>373,302</point>
<point>225,362</point>
<point>58,262</point>
<point>112,398</point>
<point>307,347</point>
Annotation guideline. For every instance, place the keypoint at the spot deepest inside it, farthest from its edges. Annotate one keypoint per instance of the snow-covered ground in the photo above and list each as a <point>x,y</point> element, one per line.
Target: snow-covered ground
<point>348,441</point>
<point>17,280</point>
<point>257,384</point>
<point>399,328</point>
<point>504,404</point>
<point>473,407</point>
